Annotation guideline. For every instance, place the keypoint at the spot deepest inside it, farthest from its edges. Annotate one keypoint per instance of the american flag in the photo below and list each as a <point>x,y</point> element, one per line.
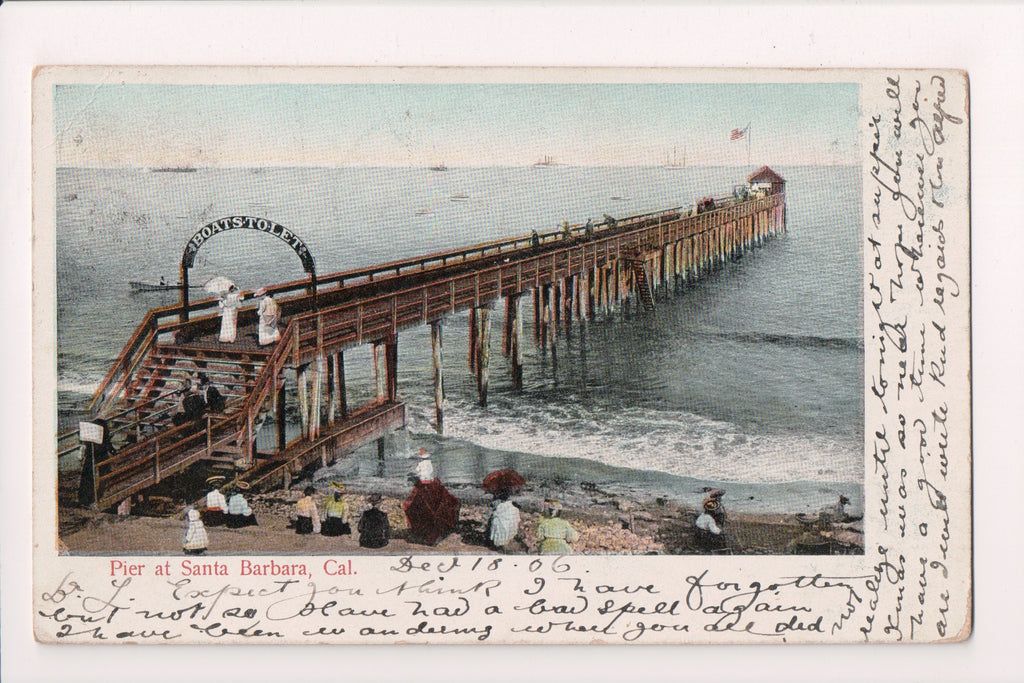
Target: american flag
<point>737,133</point>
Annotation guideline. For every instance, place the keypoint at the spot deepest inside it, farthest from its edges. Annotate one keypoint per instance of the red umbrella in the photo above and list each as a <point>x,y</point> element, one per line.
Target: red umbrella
<point>432,511</point>
<point>502,479</point>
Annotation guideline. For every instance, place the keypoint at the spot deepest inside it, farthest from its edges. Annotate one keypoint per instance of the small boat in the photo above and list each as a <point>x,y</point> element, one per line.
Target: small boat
<point>545,161</point>
<point>439,167</point>
<point>174,169</point>
<point>459,197</point>
<point>160,287</point>
<point>617,198</point>
<point>672,163</point>
<point>423,212</point>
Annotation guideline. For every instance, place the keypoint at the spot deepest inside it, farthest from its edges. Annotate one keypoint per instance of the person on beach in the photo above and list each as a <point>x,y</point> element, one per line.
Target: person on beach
<point>269,314</point>
<point>554,534</point>
<point>708,530</point>
<point>431,510</point>
<point>336,515</point>
<point>195,540</point>
<point>307,520</point>
<point>424,468</point>
<point>229,304</point>
<point>239,513</point>
<point>212,398</point>
<point>504,522</point>
<point>215,506</point>
<point>374,527</point>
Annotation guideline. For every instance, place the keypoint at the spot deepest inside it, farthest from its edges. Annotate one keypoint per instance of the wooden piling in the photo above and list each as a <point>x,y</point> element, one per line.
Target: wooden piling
<point>339,377</point>
<point>474,328</point>
<point>332,397</point>
<point>279,409</point>
<point>391,357</point>
<point>302,390</point>
<point>438,364</point>
<point>515,341</point>
<point>380,371</point>
<point>483,353</point>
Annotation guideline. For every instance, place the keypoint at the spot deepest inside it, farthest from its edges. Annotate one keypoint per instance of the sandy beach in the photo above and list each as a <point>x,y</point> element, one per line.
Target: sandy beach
<point>607,523</point>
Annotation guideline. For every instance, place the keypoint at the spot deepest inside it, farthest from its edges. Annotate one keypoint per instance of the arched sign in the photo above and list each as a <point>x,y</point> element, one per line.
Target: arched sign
<point>203,235</point>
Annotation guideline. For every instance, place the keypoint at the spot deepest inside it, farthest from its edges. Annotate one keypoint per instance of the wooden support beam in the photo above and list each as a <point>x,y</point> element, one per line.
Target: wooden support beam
<point>279,410</point>
<point>437,358</point>
<point>302,390</point>
<point>474,329</point>
<point>391,357</point>
<point>380,370</point>
<point>332,393</point>
<point>516,341</point>
<point>339,377</point>
<point>536,315</point>
<point>483,353</point>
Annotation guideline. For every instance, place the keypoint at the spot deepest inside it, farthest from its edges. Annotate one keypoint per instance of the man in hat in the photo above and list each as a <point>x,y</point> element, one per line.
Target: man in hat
<point>336,514</point>
<point>211,396</point>
<point>270,314</point>
<point>374,527</point>
<point>554,534</point>
<point>708,533</point>
<point>425,468</point>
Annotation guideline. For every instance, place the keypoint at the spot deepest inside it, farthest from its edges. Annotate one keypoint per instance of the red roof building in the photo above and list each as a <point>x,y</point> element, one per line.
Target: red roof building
<point>767,179</point>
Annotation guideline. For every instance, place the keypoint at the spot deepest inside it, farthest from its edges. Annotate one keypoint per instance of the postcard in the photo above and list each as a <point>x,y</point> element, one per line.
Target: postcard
<point>451,356</point>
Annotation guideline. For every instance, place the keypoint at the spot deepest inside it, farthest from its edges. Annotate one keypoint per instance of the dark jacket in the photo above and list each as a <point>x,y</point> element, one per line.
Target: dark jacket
<point>374,529</point>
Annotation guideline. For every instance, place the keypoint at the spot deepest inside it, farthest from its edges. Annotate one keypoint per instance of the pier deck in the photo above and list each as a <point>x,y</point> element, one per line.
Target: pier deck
<point>576,273</point>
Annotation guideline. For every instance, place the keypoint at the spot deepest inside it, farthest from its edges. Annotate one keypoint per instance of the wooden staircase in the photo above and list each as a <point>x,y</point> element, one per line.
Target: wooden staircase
<point>643,284</point>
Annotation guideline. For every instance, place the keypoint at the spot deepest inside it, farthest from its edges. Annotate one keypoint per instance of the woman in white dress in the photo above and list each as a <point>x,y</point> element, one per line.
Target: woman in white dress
<point>270,314</point>
<point>229,304</point>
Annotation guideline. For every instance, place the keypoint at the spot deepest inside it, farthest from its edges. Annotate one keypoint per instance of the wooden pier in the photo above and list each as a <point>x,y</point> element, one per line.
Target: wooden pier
<point>572,274</point>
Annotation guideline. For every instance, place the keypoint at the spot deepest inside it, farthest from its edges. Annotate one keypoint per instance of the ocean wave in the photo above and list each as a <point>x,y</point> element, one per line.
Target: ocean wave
<point>792,340</point>
<point>673,442</point>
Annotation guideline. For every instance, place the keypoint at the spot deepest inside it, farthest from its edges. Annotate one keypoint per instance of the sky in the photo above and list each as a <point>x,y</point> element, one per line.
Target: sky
<point>464,124</point>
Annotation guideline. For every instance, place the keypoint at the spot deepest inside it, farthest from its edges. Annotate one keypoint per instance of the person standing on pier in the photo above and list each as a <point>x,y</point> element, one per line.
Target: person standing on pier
<point>270,315</point>
<point>211,396</point>
<point>229,304</point>
<point>554,534</point>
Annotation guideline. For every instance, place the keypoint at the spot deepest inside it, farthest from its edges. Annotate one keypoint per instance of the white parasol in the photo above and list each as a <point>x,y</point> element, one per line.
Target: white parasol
<point>218,285</point>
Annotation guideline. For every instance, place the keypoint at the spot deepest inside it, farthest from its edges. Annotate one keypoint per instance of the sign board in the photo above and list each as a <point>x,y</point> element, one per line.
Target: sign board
<point>90,432</point>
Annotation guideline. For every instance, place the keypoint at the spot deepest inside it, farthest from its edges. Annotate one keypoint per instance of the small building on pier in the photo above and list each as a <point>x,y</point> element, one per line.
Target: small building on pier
<point>765,181</point>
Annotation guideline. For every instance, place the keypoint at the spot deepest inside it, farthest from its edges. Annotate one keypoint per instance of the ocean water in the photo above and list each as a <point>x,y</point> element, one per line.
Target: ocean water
<point>751,377</point>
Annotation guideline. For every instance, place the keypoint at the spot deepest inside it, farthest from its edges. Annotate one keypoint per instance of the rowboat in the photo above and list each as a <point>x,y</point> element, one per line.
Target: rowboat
<point>149,287</point>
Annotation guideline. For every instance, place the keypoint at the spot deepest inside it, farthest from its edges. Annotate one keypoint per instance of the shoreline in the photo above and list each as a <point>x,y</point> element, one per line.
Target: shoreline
<point>607,523</point>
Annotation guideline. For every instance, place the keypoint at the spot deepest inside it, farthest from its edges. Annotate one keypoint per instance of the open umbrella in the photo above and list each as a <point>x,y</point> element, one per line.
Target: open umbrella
<point>432,511</point>
<point>218,285</point>
<point>502,479</point>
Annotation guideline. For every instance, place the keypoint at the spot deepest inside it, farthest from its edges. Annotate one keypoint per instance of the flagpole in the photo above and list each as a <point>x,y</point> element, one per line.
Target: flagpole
<point>748,144</point>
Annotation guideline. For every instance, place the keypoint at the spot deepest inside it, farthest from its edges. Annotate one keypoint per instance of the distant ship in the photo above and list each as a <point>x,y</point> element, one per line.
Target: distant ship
<point>545,161</point>
<point>439,167</point>
<point>174,169</point>
<point>459,197</point>
<point>671,162</point>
